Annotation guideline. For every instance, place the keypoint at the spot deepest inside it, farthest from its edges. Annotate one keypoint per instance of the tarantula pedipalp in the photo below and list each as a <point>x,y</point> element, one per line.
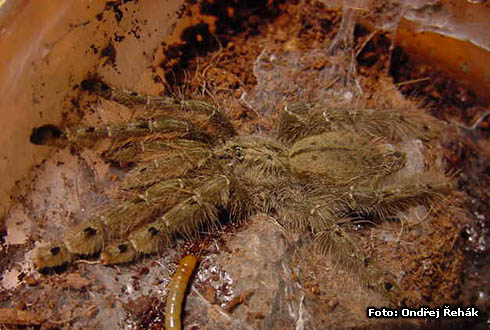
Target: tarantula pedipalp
<point>186,164</point>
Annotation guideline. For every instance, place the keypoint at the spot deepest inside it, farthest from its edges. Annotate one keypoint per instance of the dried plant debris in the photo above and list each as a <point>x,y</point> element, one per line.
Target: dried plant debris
<point>186,167</point>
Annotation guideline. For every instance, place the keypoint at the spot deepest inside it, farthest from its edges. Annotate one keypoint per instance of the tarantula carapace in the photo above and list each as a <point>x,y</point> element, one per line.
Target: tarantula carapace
<point>186,165</point>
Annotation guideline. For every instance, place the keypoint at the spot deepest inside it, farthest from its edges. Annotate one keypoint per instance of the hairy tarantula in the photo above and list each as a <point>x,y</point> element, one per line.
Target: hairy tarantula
<point>186,165</point>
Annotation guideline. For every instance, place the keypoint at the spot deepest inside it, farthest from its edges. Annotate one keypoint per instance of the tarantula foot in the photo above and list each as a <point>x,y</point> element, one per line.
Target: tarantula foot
<point>53,257</point>
<point>118,253</point>
<point>48,135</point>
<point>338,246</point>
<point>384,283</point>
<point>95,86</point>
<point>149,239</point>
<point>87,240</point>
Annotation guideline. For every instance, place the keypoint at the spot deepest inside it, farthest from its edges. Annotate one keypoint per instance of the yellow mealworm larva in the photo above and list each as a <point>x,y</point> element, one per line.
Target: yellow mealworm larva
<point>178,285</point>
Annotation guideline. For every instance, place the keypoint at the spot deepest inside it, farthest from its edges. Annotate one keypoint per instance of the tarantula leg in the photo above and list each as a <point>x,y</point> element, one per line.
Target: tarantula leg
<point>308,207</point>
<point>170,166</point>
<point>196,108</point>
<point>150,238</point>
<point>169,192</point>
<point>118,253</point>
<point>185,218</point>
<point>127,216</point>
<point>331,240</point>
<point>336,244</point>
<point>216,191</point>
<point>300,119</point>
<point>127,98</point>
<point>85,240</point>
<point>191,214</point>
<point>188,217</point>
<point>293,120</point>
<point>146,204</point>
<point>128,152</point>
<point>216,118</point>
<point>52,257</point>
<point>176,127</point>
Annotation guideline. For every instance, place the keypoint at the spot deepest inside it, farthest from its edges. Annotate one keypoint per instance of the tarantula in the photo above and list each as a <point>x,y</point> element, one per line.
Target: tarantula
<point>187,166</point>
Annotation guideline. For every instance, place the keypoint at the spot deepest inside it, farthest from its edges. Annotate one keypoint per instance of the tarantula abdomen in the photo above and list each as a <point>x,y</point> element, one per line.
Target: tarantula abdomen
<point>343,158</point>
